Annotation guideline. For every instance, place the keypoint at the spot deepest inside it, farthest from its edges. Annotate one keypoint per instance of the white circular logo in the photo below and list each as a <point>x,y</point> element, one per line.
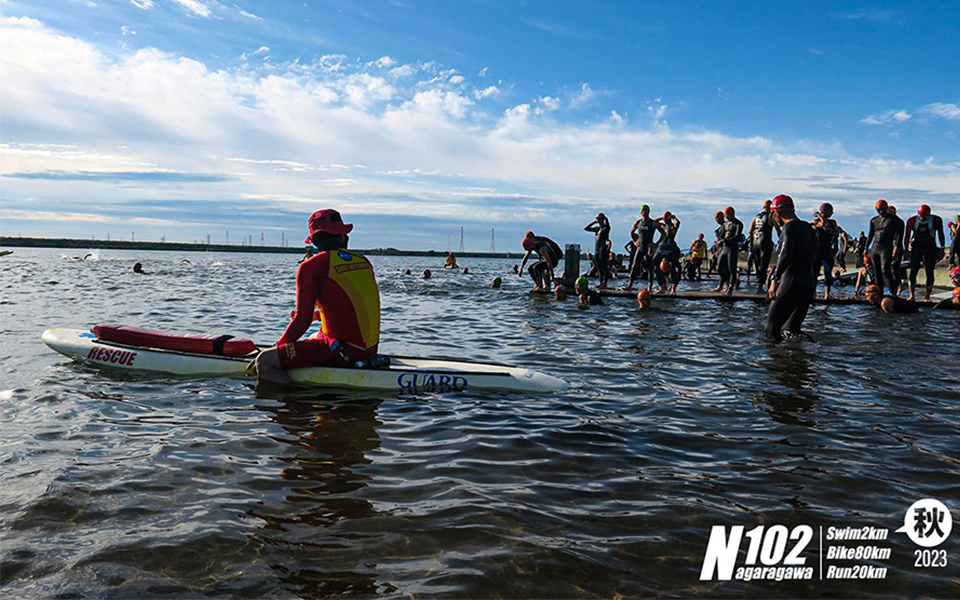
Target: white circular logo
<point>927,523</point>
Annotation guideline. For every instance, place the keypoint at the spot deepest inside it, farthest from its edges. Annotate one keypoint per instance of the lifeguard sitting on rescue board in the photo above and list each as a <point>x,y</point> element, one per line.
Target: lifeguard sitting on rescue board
<point>342,286</point>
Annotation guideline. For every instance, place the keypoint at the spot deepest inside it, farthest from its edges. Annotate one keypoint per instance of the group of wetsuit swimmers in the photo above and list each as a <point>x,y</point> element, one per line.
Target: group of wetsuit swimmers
<point>805,251</point>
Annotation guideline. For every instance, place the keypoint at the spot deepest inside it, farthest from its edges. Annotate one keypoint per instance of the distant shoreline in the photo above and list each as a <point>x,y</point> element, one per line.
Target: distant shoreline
<point>83,244</point>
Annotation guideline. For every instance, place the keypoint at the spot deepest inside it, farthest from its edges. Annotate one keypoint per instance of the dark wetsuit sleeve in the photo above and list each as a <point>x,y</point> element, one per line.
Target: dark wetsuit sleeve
<point>938,226</point>
<point>787,245</point>
<point>869,237</point>
<point>308,288</point>
<point>898,234</point>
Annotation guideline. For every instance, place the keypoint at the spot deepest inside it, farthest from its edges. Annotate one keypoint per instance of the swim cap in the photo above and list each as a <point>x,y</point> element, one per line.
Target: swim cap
<point>767,203</point>
<point>887,305</point>
<point>954,272</point>
<point>601,216</point>
<point>871,290</point>
<point>426,273</point>
<point>924,210</point>
<point>782,202</point>
<point>497,282</point>
<point>956,294</point>
<point>892,209</point>
<point>644,297</point>
<point>881,205</point>
<point>664,265</point>
<point>583,281</point>
<point>560,288</point>
<point>718,215</point>
<point>700,237</point>
<point>528,241</point>
<point>667,215</point>
<point>644,208</point>
<point>729,211</point>
<point>826,207</point>
<point>867,259</point>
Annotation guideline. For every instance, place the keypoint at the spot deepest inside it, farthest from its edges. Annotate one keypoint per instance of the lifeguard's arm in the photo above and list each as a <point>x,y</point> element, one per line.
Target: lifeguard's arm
<point>523,263</point>
<point>306,300</point>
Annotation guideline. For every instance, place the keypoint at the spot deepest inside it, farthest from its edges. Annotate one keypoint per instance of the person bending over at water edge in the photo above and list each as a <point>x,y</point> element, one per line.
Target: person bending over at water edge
<point>793,283</point>
<point>888,304</point>
<point>342,286</point>
<point>548,254</point>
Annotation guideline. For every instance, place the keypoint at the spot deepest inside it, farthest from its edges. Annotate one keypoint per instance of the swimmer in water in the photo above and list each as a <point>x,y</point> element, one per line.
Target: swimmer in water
<point>644,299</point>
<point>952,303</point>
<point>560,292</point>
<point>407,272</point>
<point>792,285</point>
<point>497,282</point>
<point>466,271</point>
<point>585,296</point>
<point>516,269</point>
<point>138,268</point>
<point>894,304</point>
<point>427,274</point>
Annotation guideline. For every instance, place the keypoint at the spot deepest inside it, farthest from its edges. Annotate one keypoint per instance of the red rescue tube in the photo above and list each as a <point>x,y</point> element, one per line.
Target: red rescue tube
<point>180,342</point>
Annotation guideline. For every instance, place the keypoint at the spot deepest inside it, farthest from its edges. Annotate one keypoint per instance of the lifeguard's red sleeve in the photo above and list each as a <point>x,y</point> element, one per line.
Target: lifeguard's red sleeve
<point>310,277</point>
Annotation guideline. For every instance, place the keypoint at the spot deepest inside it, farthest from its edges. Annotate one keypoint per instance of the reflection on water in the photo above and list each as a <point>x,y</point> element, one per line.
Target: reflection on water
<point>679,418</point>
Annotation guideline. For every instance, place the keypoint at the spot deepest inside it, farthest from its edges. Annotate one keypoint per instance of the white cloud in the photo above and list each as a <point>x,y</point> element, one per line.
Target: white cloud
<point>384,62</point>
<point>457,79</point>
<point>195,6</point>
<point>887,117</point>
<point>483,72</point>
<point>246,14</point>
<point>584,97</point>
<point>175,113</point>
<point>124,30</point>
<point>144,4</point>
<point>403,71</point>
<point>941,110</point>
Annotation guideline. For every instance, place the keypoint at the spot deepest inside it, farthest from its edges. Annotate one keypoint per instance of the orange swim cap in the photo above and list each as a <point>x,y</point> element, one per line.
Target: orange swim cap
<point>718,214</point>
<point>664,265</point>
<point>881,204</point>
<point>729,210</point>
<point>644,298</point>
<point>956,294</point>
<point>667,215</point>
<point>767,203</point>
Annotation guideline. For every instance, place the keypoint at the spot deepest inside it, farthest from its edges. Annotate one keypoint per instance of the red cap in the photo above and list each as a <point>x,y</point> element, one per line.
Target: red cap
<point>924,210</point>
<point>767,203</point>
<point>718,214</point>
<point>327,221</point>
<point>782,202</point>
<point>644,296</point>
<point>728,210</point>
<point>954,271</point>
<point>881,204</point>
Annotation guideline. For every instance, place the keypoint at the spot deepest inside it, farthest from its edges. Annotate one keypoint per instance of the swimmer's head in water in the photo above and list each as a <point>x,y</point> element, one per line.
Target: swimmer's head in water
<point>956,295</point>
<point>138,268</point>
<point>497,282</point>
<point>881,205</point>
<point>873,294</point>
<point>407,272</point>
<point>582,284</point>
<point>560,292</point>
<point>644,298</point>
<point>924,210</point>
<point>427,273</point>
<point>664,265</point>
<point>466,271</point>
<point>887,305</point>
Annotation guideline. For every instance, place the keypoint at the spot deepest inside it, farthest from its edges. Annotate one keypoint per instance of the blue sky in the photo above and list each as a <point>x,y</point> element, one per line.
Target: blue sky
<point>179,118</point>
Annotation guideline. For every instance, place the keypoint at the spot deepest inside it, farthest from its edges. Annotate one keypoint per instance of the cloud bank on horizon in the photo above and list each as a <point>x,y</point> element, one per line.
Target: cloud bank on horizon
<point>99,136</point>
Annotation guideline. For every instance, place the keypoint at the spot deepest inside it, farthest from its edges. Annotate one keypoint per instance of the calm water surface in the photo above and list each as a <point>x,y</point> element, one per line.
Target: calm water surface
<point>134,486</point>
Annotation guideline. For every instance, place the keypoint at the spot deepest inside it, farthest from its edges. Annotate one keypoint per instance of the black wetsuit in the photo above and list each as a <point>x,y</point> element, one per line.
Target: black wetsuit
<point>903,306</point>
<point>955,245</point>
<point>729,250</point>
<point>593,298</point>
<point>601,254</point>
<point>795,273</point>
<point>761,246</point>
<point>898,259</point>
<point>540,270</point>
<point>669,250</point>
<point>861,249</point>
<point>886,233</point>
<point>923,246</point>
<point>946,304</point>
<point>826,237</point>
<point>642,263</point>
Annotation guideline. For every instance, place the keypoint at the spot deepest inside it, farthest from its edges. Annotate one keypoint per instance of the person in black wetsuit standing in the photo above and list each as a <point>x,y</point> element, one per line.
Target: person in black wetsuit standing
<point>898,258</point>
<point>761,243</point>
<point>642,264</point>
<point>793,283</point>
<point>827,232</point>
<point>600,227</point>
<point>730,232</point>
<point>884,240</point>
<point>925,228</point>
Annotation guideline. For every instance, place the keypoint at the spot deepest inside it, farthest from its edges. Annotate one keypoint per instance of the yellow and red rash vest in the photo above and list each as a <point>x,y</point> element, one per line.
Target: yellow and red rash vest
<point>342,286</point>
